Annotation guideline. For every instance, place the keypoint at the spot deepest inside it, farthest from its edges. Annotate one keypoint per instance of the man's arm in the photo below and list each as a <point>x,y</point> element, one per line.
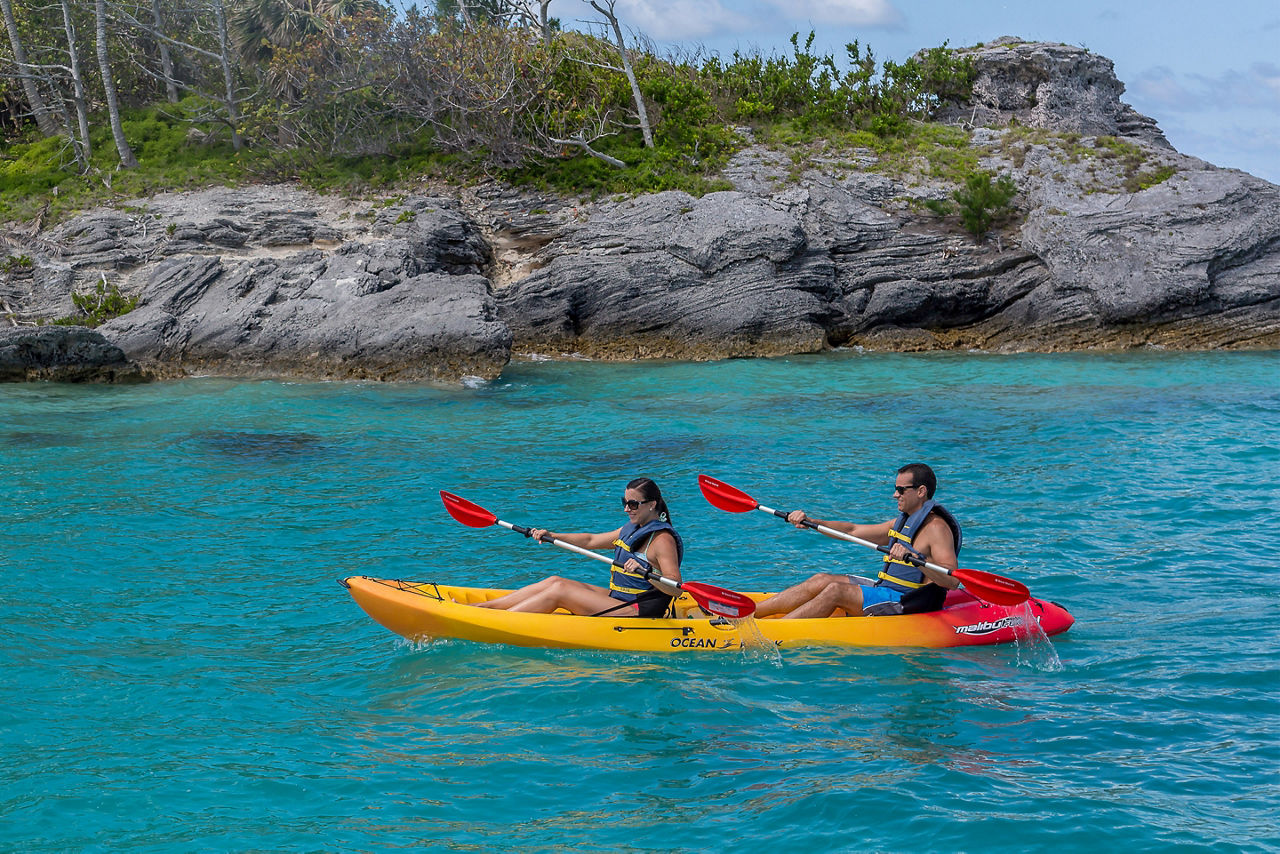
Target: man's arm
<point>937,543</point>
<point>878,534</point>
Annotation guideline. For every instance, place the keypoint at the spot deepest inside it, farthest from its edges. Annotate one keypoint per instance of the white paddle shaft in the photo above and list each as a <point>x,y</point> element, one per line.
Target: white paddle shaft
<point>671,588</point>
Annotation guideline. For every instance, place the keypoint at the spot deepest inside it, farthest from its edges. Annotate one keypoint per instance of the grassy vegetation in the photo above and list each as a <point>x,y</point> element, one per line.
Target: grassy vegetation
<point>648,171</point>
<point>1115,165</point>
<point>16,264</point>
<point>39,174</point>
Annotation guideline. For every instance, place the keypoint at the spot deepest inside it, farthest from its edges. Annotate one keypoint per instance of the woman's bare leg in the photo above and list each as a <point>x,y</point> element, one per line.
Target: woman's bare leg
<point>515,597</point>
<point>575,597</point>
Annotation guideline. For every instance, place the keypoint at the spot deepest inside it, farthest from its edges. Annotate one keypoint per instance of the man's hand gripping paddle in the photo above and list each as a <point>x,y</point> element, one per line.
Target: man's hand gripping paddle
<point>985,585</point>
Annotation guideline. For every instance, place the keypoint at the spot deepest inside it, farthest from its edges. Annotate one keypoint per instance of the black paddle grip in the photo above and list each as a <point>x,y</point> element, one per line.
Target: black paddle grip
<point>808,523</point>
<point>908,558</point>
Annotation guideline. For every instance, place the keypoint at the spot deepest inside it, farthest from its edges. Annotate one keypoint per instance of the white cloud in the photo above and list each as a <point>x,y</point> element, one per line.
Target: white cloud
<point>1268,77</point>
<point>677,20</point>
<point>1240,144</point>
<point>840,13</point>
<point>1259,86</point>
<point>1161,86</point>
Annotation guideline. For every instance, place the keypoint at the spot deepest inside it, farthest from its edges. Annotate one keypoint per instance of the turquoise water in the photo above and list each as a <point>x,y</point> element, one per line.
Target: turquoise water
<point>184,674</point>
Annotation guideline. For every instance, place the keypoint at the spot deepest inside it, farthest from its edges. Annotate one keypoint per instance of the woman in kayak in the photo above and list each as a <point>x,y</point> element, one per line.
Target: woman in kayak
<point>647,543</point>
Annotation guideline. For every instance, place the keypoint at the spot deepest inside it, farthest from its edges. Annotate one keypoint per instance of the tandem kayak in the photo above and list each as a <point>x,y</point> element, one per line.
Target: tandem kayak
<point>425,611</point>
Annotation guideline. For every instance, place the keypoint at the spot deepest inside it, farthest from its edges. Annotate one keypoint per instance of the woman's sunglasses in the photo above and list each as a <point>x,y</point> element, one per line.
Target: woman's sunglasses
<point>632,504</point>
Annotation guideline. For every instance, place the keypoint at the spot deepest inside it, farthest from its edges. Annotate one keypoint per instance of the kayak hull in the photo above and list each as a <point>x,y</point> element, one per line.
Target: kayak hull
<point>426,611</point>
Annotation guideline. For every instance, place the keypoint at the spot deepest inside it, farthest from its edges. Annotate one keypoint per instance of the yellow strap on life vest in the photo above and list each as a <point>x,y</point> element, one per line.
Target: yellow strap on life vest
<point>884,576</point>
<point>900,536</point>
<point>620,544</point>
<point>620,571</point>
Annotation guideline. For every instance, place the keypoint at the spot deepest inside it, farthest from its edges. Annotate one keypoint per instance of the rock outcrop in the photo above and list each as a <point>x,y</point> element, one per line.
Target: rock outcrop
<point>1056,87</point>
<point>1123,242</point>
<point>279,282</point>
<point>1120,242</point>
<point>62,354</point>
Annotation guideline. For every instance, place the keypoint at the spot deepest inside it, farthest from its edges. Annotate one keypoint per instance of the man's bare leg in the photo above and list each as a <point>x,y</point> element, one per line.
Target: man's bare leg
<point>839,594</point>
<point>794,597</point>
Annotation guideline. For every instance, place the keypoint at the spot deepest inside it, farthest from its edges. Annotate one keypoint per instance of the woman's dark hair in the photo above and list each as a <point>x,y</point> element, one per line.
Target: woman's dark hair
<point>650,491</point>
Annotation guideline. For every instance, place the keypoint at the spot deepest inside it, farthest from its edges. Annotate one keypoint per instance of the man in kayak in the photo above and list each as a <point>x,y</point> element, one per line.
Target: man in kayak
<point>923,529</point>
<point>648,540</point>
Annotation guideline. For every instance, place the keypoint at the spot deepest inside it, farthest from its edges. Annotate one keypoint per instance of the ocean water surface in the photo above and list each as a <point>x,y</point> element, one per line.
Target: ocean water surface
<point>184,673</point>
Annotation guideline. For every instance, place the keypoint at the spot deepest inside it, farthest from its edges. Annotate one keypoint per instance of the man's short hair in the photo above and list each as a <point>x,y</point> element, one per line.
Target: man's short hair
<point>921,474</point>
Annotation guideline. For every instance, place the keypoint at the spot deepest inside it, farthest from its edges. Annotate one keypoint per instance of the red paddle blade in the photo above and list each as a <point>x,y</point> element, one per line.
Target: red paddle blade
<point>471,515</point>
<point>717,600</point>
<point>994,588</point>
<point>726,497</point>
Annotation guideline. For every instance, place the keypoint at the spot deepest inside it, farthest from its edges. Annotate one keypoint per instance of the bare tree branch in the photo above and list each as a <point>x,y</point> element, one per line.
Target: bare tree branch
<point>579,140</point>
<point>608,11</point>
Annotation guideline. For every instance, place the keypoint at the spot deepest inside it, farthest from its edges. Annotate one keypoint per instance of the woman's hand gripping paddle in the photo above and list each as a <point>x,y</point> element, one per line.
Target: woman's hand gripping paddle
<point>712,599</point>
<point>985,585</point>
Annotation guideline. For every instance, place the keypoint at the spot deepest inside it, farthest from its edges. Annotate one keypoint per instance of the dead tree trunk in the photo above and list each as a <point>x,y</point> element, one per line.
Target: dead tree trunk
<point>45,120</point>
<point>544,22</point>
<point>228,78</point>
<point>79,96</point>
<point>127,160</point>
<point>641,112</point>
<point>166,58</point>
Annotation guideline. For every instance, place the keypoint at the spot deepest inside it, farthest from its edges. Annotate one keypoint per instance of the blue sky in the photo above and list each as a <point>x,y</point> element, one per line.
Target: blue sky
<point>1208,73</point>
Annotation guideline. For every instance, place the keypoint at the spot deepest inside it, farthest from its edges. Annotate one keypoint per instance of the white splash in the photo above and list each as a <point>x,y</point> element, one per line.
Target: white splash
<point>1035,650</point>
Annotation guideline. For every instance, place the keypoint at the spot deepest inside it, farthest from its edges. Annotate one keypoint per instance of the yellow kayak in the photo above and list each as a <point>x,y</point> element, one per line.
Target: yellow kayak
<point>423,611</point>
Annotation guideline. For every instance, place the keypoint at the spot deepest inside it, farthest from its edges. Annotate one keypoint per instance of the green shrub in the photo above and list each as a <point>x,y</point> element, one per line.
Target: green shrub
<point>103,304</point>
<point>983,202</point>
<point>802,95</point>
<point>17,264</point>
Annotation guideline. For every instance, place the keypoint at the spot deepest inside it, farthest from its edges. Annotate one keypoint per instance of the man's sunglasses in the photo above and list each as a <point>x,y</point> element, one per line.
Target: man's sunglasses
<point>898,490</point>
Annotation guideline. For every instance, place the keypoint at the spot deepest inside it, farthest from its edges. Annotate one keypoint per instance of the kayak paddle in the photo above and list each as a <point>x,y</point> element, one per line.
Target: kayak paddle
<point>984,585</point>
<point>714,600</point>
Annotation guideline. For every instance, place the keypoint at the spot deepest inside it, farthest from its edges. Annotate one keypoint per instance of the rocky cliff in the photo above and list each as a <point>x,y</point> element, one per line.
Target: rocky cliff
<point>1120,242</point>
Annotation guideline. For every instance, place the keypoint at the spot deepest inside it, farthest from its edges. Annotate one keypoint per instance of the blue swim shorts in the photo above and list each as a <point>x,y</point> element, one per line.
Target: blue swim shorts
<point>876,595</point>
